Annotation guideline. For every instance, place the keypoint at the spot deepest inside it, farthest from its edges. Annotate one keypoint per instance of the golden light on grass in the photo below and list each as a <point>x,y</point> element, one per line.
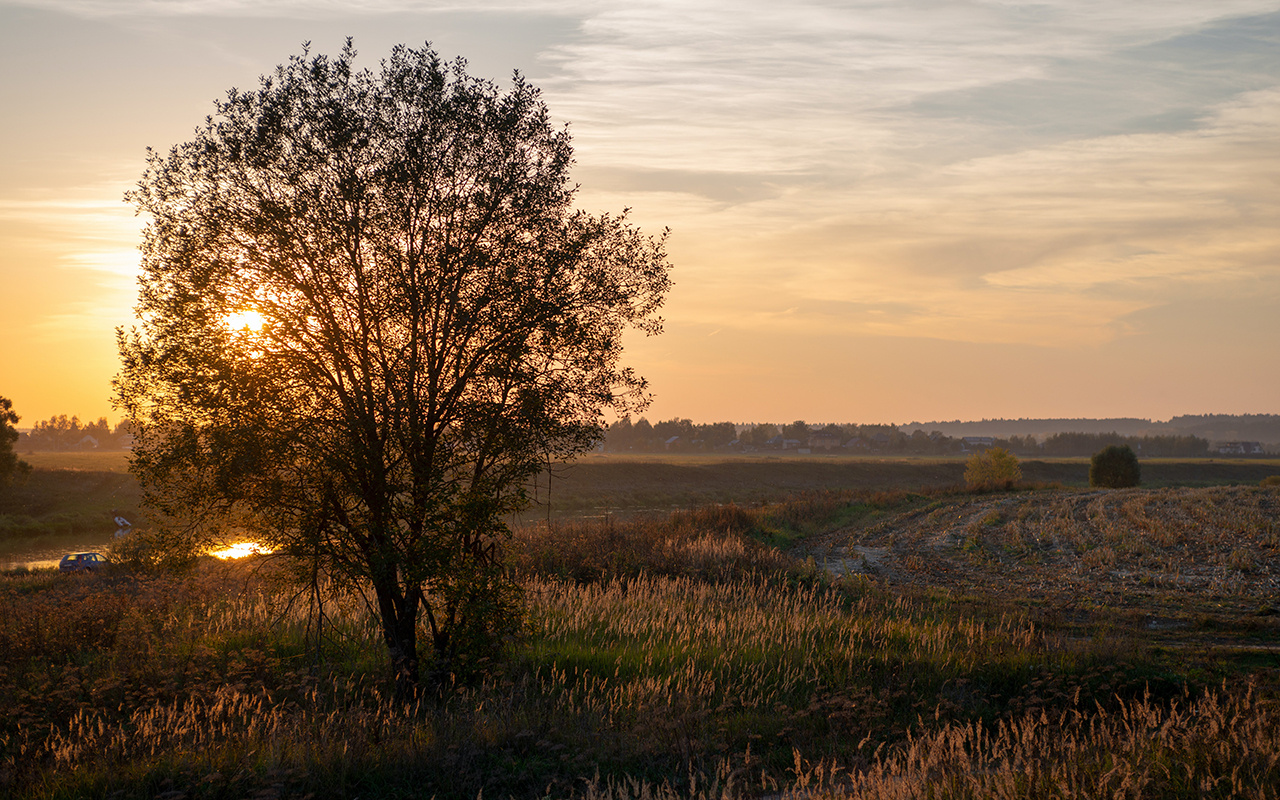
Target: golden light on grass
<point>240,550</point>
<point>683,641</point>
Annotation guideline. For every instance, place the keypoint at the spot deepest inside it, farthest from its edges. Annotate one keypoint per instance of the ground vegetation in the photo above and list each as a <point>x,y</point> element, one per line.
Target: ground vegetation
<point>684,656</point>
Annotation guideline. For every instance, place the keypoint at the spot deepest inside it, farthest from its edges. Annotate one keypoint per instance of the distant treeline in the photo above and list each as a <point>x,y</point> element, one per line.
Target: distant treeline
<point>684,435</point>
<point>1263,428</point>
<point>688,436</point>
<point>62,433</point>
<point>1083,444</point>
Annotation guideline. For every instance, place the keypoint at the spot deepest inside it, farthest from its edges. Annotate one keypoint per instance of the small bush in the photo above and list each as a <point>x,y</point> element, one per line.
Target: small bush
<point>991,469</point>
<point>1271,480</point>
<point>1114,467</point>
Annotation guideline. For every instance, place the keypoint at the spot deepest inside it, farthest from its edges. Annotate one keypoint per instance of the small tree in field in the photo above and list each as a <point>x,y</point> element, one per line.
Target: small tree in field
<point>1114,467</point>
<point>992,468</point>
<point>368,315</point>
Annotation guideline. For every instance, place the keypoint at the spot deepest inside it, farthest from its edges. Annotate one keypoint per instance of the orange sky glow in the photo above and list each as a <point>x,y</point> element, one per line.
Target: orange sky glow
<point>879,212</point>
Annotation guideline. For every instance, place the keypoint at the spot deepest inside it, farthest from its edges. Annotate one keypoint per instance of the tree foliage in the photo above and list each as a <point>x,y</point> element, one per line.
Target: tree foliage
<point>368,315</point>
<point>758,435</point>
<point>992,468</point>
<point>1114,467</point>
<point>10,465</point>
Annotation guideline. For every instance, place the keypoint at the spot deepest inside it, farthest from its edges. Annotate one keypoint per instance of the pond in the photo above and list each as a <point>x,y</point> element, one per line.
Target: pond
<point>46,551</point>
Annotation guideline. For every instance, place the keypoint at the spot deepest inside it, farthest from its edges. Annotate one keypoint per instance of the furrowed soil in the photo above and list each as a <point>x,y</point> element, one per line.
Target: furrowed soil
<point>1178,565</point>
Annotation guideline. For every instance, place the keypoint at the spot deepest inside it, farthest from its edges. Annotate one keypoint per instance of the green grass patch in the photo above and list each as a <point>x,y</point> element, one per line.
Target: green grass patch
<point>63,502</point>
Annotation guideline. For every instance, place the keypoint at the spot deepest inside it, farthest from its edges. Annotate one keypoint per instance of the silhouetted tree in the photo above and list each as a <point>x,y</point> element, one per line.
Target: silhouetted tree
<point>1114,467</point>
<point>798,430</point>
<point>716,435</point>
<point>643,436</point>
<point>368,314</point>
<point>670,429</point>
<point>1069,443</point>
<point>758,435</point>
<point>68,433</point>
<point>56,433</point>
<point>620,436</point>
<point>10,465</point>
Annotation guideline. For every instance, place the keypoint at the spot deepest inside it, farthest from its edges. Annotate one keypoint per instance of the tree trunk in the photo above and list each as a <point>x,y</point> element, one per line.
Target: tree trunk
<point>442,651</point>
<point>399,615</point>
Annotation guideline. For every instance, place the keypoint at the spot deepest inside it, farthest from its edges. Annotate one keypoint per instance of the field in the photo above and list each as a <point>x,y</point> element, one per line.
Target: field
<point>86,461</point>
<point>623,483</point>
<point>886,637</point>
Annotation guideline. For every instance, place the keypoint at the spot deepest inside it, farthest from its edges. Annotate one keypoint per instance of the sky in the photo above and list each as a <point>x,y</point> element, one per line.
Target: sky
<point>879,211</point>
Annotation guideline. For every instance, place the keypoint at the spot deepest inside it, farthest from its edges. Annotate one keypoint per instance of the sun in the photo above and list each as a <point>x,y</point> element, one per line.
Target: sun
<point>248,320</point>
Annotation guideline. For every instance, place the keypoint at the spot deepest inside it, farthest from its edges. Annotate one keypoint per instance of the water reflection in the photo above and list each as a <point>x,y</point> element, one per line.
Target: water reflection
<point>240,550</point>
<point>45,552</point>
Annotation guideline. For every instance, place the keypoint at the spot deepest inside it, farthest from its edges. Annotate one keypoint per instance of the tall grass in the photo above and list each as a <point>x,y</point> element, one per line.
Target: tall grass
<point>1215,745</point>
<point>668,657</point>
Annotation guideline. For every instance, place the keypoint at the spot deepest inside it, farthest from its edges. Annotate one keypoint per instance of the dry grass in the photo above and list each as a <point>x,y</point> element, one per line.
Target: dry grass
<point>1209,746</point>
<point>80,461</point>
<point>712,543</point>
<point>666,657</point>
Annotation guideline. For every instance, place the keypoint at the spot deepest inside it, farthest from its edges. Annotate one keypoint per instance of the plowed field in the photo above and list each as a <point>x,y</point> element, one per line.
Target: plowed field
<point>1199,563</point>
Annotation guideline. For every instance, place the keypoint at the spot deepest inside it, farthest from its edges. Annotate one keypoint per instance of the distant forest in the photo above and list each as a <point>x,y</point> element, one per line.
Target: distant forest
<point>1200,436</point>
<point>1216,428</point>
<point>1188,436</point>
<point>61,433</point>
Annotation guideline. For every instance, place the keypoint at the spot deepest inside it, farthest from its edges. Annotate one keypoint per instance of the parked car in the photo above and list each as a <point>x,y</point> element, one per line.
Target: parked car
<point>82,562</point>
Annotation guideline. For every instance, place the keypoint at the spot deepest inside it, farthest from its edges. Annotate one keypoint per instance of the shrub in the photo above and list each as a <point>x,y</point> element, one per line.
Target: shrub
<point>1114,467</point>
<point>1271,480</point>
<point>992,468</point>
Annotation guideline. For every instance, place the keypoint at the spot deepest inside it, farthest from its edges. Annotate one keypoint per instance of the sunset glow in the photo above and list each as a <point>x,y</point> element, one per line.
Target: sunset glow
<point>879,212</point>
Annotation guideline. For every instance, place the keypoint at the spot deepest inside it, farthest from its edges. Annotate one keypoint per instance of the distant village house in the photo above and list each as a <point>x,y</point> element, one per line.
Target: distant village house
<point>1239,448</point>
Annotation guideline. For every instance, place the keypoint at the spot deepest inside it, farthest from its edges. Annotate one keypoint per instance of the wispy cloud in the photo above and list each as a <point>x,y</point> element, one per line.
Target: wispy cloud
<point>1065,173</point>
<point>88,239</point>
<point>296,9</point>
<point>86,229</point>
<point>799,86</point>
<point>825,176</point>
